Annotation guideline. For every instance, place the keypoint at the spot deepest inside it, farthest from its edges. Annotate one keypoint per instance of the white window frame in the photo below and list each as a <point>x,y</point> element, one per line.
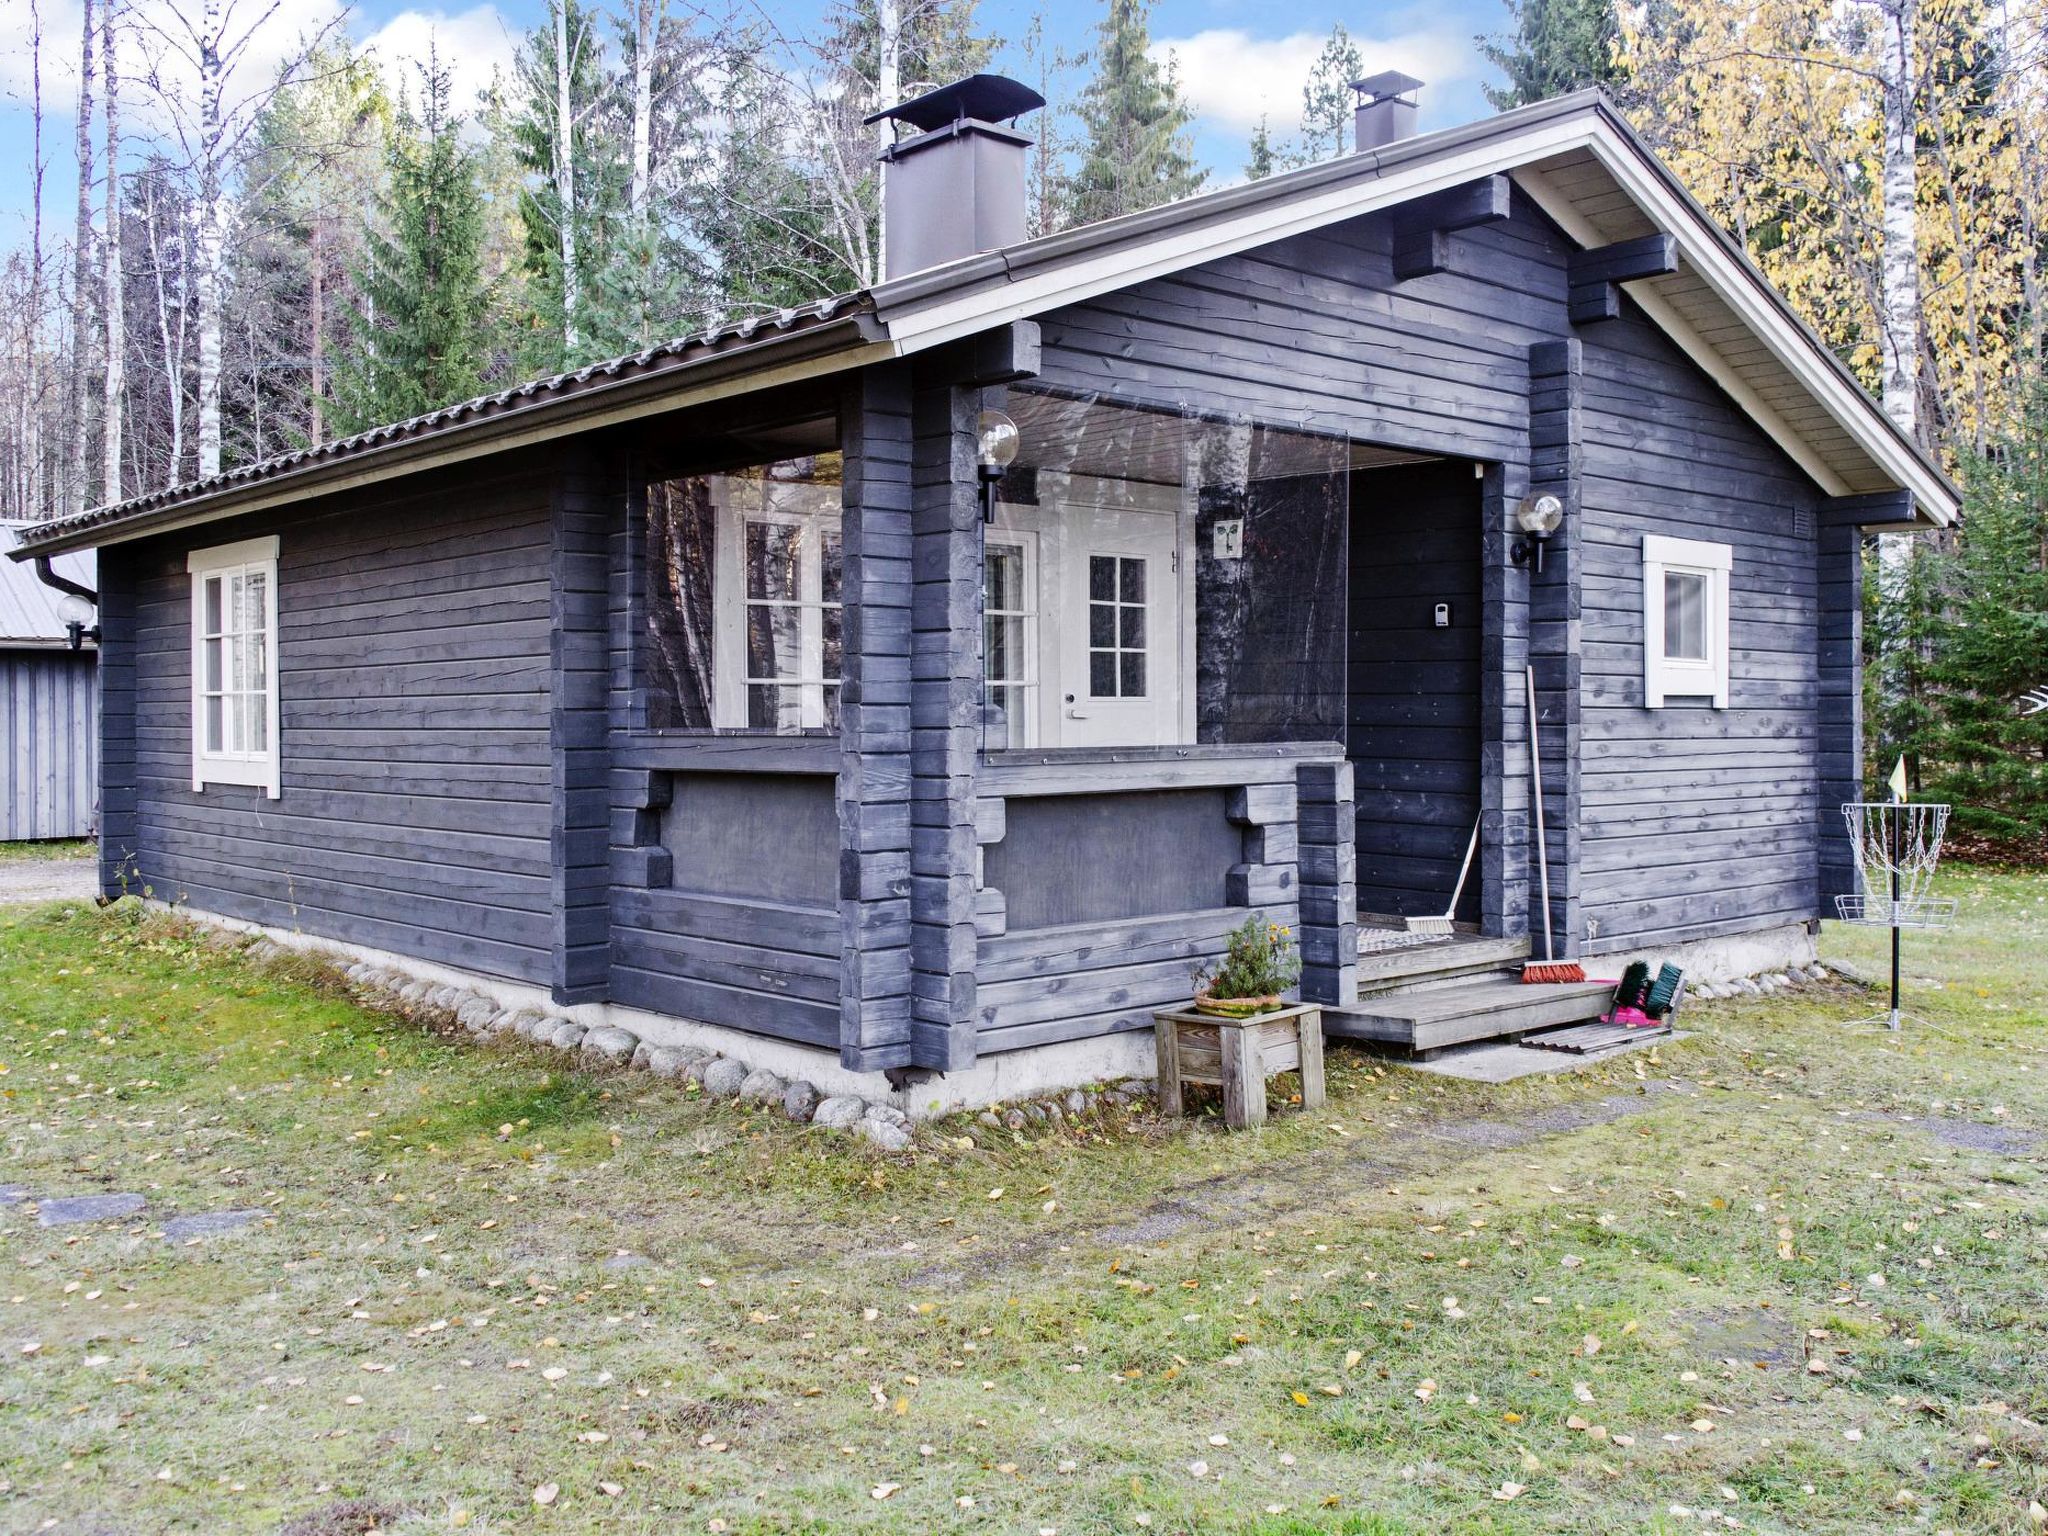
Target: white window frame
<point>730,606</point>
<point>1667,677</point>
<point>1025,721</point>
<point>262,770</point>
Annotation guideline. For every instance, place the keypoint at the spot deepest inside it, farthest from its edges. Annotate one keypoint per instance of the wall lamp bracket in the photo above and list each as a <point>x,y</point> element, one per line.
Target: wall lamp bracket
<point>997,439</point>
<point>1538,517</point>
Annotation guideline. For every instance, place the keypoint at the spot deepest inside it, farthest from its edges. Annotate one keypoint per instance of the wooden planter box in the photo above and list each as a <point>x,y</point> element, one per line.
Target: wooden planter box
<point>1238,1055</point>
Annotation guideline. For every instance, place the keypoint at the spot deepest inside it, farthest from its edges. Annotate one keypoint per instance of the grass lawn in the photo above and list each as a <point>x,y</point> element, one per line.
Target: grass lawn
<point>1781,1277</point>
<point>60,848</point>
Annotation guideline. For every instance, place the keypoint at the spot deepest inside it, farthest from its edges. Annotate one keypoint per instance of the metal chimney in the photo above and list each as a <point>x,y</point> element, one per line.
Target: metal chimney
<point>955,187</point>
<point>1386,108</point>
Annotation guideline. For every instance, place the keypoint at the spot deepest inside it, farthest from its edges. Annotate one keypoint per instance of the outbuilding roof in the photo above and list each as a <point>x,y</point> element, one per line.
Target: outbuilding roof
<point>1574,157</point>
<point>28,609</point>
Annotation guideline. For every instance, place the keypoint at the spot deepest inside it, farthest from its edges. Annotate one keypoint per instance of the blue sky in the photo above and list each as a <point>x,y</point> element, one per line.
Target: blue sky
<point>1238,58</point>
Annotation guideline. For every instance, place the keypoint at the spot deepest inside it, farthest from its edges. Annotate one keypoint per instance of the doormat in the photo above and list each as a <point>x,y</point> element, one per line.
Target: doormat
<point>1372,941</point>
<point>1590,1039</point>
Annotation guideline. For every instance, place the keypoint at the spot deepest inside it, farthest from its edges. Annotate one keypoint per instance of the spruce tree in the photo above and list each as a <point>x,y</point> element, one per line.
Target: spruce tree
<point>1136,152</point>
<point>1557,46</point>
<point>419,320</point>
<point>1973,628</point>
<point>1262,156</point>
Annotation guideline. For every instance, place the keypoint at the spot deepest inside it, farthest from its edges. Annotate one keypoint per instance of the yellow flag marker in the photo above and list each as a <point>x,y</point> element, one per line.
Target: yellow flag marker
<point>1898,780</point>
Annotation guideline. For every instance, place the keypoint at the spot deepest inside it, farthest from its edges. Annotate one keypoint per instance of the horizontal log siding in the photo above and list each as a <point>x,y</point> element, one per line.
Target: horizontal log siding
<point>413,664</point>
<point>1313,331</point>
<point>1697,822</point>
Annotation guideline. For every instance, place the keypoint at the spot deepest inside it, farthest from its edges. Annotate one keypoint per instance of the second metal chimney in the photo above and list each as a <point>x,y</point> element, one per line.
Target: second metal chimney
<point>956,187</point>
<point>1386,108</point>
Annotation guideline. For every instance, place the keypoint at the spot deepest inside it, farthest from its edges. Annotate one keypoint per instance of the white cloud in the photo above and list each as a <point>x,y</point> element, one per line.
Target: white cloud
<point>1232,79</point>
<point>473,44</point>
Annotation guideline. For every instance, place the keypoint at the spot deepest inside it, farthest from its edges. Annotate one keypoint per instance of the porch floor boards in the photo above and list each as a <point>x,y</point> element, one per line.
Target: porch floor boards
<point>1418,999</point>
<point>1497,1007</point>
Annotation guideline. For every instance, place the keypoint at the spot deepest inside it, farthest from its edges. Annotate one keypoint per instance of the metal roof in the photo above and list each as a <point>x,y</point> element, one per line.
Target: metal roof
<point>1574,155</point>
<point>28,609</point>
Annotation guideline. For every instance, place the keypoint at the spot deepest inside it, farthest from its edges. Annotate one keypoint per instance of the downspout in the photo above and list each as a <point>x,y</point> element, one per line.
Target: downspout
<point>50,578</point>
<point>78,629</point>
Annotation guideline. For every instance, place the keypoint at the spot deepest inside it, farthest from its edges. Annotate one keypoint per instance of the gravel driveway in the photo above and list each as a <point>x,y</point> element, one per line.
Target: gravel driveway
<point>72,879</point>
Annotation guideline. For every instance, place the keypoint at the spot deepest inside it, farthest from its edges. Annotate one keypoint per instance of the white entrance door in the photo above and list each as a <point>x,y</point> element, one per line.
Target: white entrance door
<point>1119,641</point>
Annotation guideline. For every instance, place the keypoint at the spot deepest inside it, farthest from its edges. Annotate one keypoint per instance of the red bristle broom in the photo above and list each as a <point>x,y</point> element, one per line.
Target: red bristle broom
<point>1549,968</point>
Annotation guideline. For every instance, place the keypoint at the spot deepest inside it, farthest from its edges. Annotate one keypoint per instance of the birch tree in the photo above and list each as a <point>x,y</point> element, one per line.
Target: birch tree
<point>212,113</point>
<point>77,491</point>
<point>113,284</point>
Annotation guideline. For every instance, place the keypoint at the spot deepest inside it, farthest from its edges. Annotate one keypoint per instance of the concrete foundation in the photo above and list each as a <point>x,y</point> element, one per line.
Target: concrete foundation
<point>1727,958</point>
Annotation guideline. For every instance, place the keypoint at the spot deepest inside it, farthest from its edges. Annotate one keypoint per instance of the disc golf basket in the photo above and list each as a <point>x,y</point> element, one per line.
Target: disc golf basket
<point>1897,846</point>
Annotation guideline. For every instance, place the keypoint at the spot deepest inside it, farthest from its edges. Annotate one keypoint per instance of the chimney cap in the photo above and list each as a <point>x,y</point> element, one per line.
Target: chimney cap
<point>1387,83</point>
<point>983,97</point>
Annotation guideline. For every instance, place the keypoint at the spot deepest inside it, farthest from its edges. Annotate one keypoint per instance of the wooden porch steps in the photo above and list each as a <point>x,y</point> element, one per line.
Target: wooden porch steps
<point>1454,963</point>
<point>1496,1007</point>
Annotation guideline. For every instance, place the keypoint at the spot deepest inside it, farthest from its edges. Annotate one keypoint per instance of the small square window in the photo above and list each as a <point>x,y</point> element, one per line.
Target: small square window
<point>1685,620</point>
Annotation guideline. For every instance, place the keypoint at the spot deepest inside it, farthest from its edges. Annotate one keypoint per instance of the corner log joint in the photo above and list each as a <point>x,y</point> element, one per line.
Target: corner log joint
<point>1596,275</point>
<point>1423,228</point>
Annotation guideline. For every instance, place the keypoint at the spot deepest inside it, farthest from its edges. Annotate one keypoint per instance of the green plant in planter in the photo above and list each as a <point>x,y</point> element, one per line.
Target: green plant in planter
<point>1260,962</point>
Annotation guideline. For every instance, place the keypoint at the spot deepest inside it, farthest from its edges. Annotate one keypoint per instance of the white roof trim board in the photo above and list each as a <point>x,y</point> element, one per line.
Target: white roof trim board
<point>1574,157</point>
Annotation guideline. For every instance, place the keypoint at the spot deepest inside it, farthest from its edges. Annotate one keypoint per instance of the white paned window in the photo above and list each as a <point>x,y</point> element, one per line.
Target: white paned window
<point>778,595</point>
<point>1685,620</point>
<point>234,665</point>
<point>1009,627</point>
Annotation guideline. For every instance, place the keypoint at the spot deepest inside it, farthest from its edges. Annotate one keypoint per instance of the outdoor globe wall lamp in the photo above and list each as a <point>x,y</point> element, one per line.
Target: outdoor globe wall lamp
<point>77,613</point>
<point>1538,517</point>
<point>997,440</point>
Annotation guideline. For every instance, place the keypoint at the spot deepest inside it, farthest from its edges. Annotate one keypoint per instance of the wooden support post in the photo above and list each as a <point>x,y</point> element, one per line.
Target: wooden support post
<point>1838,553</point>
<point>874,723</point>
<point>1329,883</point>
<point>1556,465</point>
<point>120,869</point>
<point>1244,1077</point>
<point>1595,276</point>
<point>588,503</point>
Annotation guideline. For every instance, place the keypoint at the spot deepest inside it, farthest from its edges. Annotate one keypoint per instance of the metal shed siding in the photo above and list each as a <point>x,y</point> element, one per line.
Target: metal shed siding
<point>1697,822</point>
<point>48,744</point>
<point>414,673</point>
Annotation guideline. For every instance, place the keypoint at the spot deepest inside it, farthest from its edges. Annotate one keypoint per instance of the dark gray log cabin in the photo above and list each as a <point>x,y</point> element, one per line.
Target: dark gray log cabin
<point>718,688</point>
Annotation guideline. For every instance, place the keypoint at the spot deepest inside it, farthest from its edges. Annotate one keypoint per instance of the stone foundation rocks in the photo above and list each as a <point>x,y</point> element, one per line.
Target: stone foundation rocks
<point>1760,985</point>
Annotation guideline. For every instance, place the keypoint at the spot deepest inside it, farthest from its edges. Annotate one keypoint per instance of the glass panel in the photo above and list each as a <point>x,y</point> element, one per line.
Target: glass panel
<point>1004,722</point>
<point>211,587</point>
<point>1131,580</point>
<point>1101,624</point>
<point>1685,616</point>
<point>211,680</point>
<point>715,544</point>
<point>832,707</point>
<point>1003,574</point>
<point>773,550</point>
<point>774,641</point>
<point>834,645</point>
<point>235,737</point>
<point>258,721</point>
<point>1101,578</point>
<point>256,672</point>
<point>832,575</point>
<point>255,589</point>
<point>775,709</point>
<point>1265,632</point>
<point>216,710</point>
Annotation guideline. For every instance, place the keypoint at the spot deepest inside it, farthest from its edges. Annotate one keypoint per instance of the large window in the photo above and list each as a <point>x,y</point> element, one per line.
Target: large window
<point>1685,620</point>
<point>743,598</point>
<point>234,663</point>
<point>1155,579</point>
